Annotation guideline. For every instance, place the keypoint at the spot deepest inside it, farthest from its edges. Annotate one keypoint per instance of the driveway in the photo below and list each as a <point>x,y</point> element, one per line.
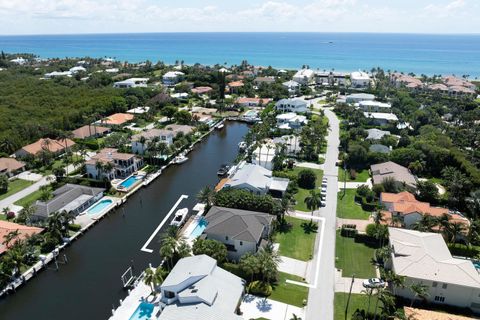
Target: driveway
<point>293,266</point>
<point>8,202</point>
<point>354,185</point>
<point>342,284</point>
<point>361,224</point>
<point>254,307</point>
<point>309,165</point>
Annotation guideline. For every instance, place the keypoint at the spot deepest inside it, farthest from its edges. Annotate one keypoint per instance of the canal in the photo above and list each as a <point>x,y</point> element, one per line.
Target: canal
<point>88,286</point>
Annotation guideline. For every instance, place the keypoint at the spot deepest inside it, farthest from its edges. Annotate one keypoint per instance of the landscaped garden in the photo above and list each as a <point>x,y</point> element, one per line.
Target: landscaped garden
<point>353,176</point>
<point>298,240</point>
<point>15,186</point>
<point>354,258</point>
<point>287,292</point>
<point>347,208</point>
<point>303,193</point>
<point>32,197</point>
<point>357,301</point>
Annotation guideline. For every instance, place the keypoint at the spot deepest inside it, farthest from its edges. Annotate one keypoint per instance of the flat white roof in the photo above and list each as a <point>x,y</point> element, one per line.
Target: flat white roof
<point>380,116</point>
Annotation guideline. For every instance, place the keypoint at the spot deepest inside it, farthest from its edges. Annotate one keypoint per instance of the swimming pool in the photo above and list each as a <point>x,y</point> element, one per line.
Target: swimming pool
<point>476,264</point>
<point>100,206</point>
<point>144,311</point>
<point>126,184</point>
<point>250,114</point>
<point>201,225</point>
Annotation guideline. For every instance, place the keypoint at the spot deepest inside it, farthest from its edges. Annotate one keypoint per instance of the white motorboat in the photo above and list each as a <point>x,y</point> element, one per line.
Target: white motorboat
<point>180,159</point>
<point>220,126</point>
<point>242,146</point>
<point>180,217</point>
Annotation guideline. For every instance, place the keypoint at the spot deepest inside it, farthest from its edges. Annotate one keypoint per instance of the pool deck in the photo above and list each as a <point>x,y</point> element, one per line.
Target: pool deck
<point>86,219</point>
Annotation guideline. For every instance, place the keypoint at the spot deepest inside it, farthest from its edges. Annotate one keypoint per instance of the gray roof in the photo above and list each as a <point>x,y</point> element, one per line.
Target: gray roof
<point>67,197</point>
<point>251,174</point>
<point>377,134</point>
<point>366,96</point>
<point>292,102</point>
<point>237,224</point>
<point>380,148</point>
<point>383,170</point>
<point>152,133</point>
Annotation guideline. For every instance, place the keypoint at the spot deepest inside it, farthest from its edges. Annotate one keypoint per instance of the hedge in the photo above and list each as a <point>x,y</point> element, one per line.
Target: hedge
<point>260,288</point>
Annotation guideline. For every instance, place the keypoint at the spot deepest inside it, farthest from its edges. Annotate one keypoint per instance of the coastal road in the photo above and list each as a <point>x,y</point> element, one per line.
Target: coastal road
<point>320,298</point>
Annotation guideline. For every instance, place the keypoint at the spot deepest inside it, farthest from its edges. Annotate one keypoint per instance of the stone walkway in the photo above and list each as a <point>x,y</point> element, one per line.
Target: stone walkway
<point>254,307</point>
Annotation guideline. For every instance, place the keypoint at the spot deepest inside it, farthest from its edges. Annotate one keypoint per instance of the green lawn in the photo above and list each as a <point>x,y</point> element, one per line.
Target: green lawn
<point>303,193</point>
<point>289,293</point>
<point>347,208</point>
<point>357,301</point>
<point>362,175</point>
<point>15,186</point>
<point>353,258</point>
<point>31,198</point>
<point>318,172</point>
<point>297,242</point>
<point>3,217</point>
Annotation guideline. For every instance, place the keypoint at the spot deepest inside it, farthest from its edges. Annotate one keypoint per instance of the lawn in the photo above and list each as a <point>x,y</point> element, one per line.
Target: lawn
<point>303,193</point>
<point>289,293</point>
<point>353,258</point>
<point>14,186</point>
<point>357,301</point>
<point>362,175</point>
<point>298,242</point>
<point>3,217</point>
<point>31,198</point>
<point>347,208</point>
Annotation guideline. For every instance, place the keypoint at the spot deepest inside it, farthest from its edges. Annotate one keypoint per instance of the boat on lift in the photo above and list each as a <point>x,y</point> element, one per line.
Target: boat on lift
<point>179,218</point>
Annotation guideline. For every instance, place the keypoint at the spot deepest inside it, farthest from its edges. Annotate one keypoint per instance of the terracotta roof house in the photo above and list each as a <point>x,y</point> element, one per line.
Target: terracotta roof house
<point>406,80</point>
<point>177,128</point>
<point>201,90</point>
<point>54,146</point>
<point>381,171</point>
<point>234,86</point>
<point>24,231</point>
<point>241,231</point>
<point>422,314</point>
<point>252,102</point>
<point>117,119</point>
<point>90,131</point>
<point>10,166</point>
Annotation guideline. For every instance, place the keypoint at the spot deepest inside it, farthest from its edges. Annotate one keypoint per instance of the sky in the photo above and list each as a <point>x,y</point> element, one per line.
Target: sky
<point>125,16</point>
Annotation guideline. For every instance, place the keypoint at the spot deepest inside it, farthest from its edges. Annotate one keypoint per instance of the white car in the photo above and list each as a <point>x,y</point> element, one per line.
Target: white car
<point>374,283</point>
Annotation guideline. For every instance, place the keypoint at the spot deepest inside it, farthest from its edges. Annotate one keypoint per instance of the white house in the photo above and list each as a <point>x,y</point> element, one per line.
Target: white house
<point>293,87</point>
<point>58,74</point>
<point>360,79</point>
<point>423,257</point>
<point>196,288</point>
<point>330,78</point>
<point>380,118</point>
<point>19,61</point>
<point>304,76</point>
<point>77,69</point>
<point>374,106</point>
<point>131,83</point>
<point>264,154</point>
<point>171,78</point>
<point>291,120</point>
<point>141,140</point>
<point>292,105</point>
<point>241,231</point>
<point>358,97</point>
<point>121,164</point>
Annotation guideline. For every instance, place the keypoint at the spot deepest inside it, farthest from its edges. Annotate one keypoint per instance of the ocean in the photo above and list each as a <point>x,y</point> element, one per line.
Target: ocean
<point>417,53</point>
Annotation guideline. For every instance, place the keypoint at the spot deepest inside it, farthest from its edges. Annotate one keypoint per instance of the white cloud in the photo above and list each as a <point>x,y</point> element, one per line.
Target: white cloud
<point>449,9</point>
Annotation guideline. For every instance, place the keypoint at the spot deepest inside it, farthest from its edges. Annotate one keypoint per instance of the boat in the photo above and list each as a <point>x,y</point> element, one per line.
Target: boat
<point>223,170</point>
<point>220,126</point>
<point>242,146</point>
<point>180,217</point>
<point>180,159</point>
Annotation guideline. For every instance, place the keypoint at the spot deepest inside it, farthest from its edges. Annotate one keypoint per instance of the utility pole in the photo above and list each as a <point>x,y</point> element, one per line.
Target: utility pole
<point>349,294</point>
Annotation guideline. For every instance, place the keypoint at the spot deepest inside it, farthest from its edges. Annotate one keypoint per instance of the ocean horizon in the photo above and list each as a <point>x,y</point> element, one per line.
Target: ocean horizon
<point>406,52</point>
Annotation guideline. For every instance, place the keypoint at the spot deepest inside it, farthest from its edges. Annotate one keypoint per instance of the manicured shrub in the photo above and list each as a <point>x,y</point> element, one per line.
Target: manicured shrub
<point>74,227</point>
<point>306,179</point>
<point>10,215</point>
<point>260,288</point>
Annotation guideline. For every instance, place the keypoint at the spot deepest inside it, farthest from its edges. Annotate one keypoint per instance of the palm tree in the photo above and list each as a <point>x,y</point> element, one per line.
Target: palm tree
<point>249,264</point>
<point>10,238</point>
<point>419,290</point>
<point>268,261</point>
<point>369,292</point>
<point>388,302</point>
<point>455,229</point>
<point>313,201</point>
<point>99,167</point>
<point>295,317</point>
<point>154,277</point>
<point>206,195</point>
<point>425,224</point>
<point>473,203</point>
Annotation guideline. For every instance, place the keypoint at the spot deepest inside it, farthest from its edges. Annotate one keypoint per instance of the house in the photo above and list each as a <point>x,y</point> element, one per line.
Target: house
<point>422,314</point>
<point>291,120</point>
<point>390,169</point>
<point>241,231</point>
<point>171,78</point>
<point>24,232</point>
<point>330,78</point>
<point>139,146</point>
<point>293,87</point>
<point>252,102</point>
<point>266,80</point>
<point>180,128</point>
<point>235,86</point>
<point>115,165</point>
<point>55,74</point>
<point>409,210</point>
<point>374,106</point>
<point>19,60</point>
<point>117,119</point>
<point>360,80</point>
<point>132,83</point>
<point>291,143</point>
<point>264,154</point>
<point>292,105</point>
<point>196,288</point>
<point>380,118</point>
<point>403,80</point>
<point>304,76</point>
<point>358,97</point>
<point>11,166</point>
<point>379,148</point>
<point>77,69</point>
<point>257,180</point>
<point>423,257</point>
<point>138,110</point>
<point>377,134</point>
<point>201,90</point>
<point>71,198</point>
<point>90,131</point>
<point>439,87</point>
<point>51,145</point>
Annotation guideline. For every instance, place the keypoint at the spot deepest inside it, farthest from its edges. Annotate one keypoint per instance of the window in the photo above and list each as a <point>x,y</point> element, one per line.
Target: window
<point>241,243</point>
<point>439,299</point>
<point>226,238</point>
<point>444,286</point>
<point>434,284</point>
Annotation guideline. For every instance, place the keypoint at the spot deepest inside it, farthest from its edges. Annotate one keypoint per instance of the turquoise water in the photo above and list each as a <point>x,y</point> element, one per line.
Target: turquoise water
<point>100,206</point>
<point>144,311</point>
<point>476,264</point>
<point>251,113</point>
<point>129,182</point>
<point>418,53</point>
<point>202,224</point>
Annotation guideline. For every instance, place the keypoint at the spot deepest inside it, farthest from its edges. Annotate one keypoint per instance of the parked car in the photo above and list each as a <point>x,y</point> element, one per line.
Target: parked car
<point>324,189</point>
<point>374,283</point>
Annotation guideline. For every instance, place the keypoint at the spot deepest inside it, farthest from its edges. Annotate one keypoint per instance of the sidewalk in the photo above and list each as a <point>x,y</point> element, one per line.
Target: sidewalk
<point>294,266</point>
<point>255,307</point>
<point>342,284</point>
<point>354,185</point>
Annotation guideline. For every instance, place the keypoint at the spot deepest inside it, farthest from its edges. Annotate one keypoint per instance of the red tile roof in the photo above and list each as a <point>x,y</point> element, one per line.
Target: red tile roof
<point>24,231</point>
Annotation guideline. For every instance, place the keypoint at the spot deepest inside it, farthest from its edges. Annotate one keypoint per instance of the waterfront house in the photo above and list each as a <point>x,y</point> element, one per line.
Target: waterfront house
<point>241,231</point>
<point>390,169</point>
<point>141,140</point>
<point>55,74</point>
<point>291,143</point>
<point>171,78</point>
<point>131,83</point>
<point>374,106</point>
<point>291,120</point>
<point>330,78</point>
<point>263,155</point>
<point>180,128</point>
<point>196,288</point>
<point>117,119</point>
<point>252,102</point>
<point>380,118</point>
<point>376,134</point>
<point>292,105</point>
<point>45,144</point>
<point>304,76</point>
<point>19,61</point>
<point>115,165</point>
<point>360,80</point>
<point>358,97</point>
<point>11,166</point>
<point>422,257</point>
<point>90,131</point>
<point>24,232</point>
<point>293,87</point>
<point>407,81</point>
<point>257,180</point>
<point>71,198</point>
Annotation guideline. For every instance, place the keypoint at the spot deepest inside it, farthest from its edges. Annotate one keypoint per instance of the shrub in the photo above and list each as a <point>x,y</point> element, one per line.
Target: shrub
<point>283,174</point>
<point>353,174</point>
<point>348,232</point>
<point>306,179</point>
<point>10,215</point>
<point>74,227</point>
<point>371,229</point>
<point>363,190</point>
<point>260,288</point>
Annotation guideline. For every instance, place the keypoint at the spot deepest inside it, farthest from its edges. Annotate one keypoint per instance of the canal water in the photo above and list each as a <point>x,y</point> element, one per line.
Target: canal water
<point>88,286</point>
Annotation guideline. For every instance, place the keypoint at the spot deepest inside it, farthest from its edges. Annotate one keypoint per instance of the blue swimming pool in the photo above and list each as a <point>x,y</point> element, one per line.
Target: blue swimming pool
<point>99,206</point>
<point>251,113</point>
<point>476,264</point>
<point>202,224</point>
<point>144,311</point>
<point>130,182</point>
